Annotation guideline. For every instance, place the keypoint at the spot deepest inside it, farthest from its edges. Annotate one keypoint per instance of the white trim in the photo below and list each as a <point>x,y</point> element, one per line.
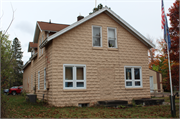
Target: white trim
<point>39,27</point>
<point>44,78</point>
<point>132,77</point>
<point>38,80</point>
<point>74,81</point>
<point>100,36</point>
<point>115,36</point>
<point>41,42</point>
<point>109,12</point>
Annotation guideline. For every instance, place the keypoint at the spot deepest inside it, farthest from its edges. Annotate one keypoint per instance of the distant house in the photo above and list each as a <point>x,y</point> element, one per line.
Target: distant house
<point>155,79</point>
<point>99,57</point>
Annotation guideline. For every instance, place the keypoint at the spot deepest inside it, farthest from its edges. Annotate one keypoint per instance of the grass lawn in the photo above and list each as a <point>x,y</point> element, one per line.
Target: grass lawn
<point>166,99</point>
<point>18,108</point>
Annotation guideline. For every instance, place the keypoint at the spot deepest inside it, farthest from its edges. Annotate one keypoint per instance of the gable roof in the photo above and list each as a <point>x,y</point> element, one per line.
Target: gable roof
<point>113,16</point>
<point>32,45</point>
<point>46,26</point>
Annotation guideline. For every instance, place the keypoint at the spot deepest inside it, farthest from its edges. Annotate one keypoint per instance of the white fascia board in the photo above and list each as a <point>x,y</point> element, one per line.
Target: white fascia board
<point>72,26</point>
<point>35,32</point>
<point>91,16</point>
<point>131,28</point>
<point>29,61</point>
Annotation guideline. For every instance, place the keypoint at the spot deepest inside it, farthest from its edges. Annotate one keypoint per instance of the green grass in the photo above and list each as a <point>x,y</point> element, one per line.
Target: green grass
<point>166,99</point>
<point>18,108</point>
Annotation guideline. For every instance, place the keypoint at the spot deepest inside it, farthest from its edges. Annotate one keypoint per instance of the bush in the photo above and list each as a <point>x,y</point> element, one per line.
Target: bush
<point>4,105</point>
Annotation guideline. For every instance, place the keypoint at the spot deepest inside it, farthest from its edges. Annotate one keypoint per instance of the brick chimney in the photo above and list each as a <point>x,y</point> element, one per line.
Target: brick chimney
<point>80,17</point>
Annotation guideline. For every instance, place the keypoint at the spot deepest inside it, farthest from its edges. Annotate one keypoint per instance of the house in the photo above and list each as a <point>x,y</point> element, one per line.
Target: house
<point>99,57</point>
<point>155,79</point>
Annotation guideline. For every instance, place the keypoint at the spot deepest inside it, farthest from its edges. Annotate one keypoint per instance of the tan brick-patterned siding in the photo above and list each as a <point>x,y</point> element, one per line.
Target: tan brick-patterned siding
<point>104,66</point>
<point>26,77</point>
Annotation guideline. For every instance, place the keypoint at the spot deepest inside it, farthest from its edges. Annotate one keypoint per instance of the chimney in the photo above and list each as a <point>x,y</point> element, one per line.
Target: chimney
<point>50,21</point>
<point>80,17</point>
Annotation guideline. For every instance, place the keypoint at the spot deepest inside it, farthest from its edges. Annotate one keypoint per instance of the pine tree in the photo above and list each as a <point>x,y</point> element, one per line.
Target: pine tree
<point>17,55</point>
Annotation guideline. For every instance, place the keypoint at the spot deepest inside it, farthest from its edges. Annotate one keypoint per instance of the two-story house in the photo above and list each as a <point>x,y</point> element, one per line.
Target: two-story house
<point>99,57</point>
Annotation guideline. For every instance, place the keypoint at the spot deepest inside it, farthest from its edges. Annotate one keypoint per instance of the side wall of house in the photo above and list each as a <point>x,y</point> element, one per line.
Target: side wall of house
<point>42,62</point>
<point>104,66</point>
<point>26,77</point>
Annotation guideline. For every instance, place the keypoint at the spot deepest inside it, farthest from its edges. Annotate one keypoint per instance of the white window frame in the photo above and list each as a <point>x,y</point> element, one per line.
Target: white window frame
<point>38,80</point>
<point>41,42</point>
<point>44,78</point>
<point>31,82</point>
<point>39,47</point>
<point>115,37</point>
<point>100,36</point>
<point>74,76</point>
<point>132,76</point>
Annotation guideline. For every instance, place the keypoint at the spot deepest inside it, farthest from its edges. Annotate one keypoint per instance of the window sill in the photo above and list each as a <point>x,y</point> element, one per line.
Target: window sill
<point>134,88</point>
<point>74,90</point>
<point>97,48</point>
<point>115,49</point>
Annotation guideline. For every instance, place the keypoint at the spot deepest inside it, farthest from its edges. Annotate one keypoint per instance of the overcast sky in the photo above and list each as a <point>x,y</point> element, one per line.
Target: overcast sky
<point>143,15</point>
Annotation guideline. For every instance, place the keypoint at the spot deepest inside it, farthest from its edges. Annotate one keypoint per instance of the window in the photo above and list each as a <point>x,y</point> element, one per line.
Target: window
<point>41,42</point>
<point>44,78</point>
<point>97,36</point>
<point>39,47</point>
<point>74,76</point>
<point>112,38</point>
<point>31,82</point>
<point>38,79</point>
<point>133,76</point>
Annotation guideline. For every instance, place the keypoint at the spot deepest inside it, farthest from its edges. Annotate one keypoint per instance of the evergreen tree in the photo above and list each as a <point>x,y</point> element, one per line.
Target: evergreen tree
<point>17,54</point>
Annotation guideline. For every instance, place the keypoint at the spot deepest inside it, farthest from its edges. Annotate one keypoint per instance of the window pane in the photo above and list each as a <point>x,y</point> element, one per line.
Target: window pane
<point>80,84</point>
<point>111,33</point>
<point>69,73</point>
<point>80,73</point>
<point>137,73</point>
<point>96,31</point>
<point>137,83</point>
<point>112,43</point>
<point>128,73</point>
<point>96,41</point>
<point>128,83</point>
<point>68,84</point>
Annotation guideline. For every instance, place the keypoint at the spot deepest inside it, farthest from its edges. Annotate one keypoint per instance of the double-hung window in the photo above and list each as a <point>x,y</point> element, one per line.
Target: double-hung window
<point>38,80</point>
<point>97,36</point>
<point>112,37</point>
<point>74,76</point>
<point>133,76</point>
<point>45,78</point>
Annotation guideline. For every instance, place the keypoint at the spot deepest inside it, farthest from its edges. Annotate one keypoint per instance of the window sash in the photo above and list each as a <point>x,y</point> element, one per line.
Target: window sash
<point>94,36</point>
<point>112,37</point>
<point>44,78</point>
<point>75,80</point>
<point>38,80</point>
<point>133,80</point>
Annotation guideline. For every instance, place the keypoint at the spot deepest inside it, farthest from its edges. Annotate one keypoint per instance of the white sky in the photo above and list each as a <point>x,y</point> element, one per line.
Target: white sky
<point>143,15</point>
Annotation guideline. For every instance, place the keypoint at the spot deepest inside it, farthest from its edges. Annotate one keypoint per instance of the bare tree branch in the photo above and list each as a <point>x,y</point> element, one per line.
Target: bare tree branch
<point>10,23</point>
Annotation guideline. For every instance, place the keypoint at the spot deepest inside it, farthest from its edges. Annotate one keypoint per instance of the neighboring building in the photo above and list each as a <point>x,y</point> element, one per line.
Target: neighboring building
<point>155,79</point>
<point>99,57</point>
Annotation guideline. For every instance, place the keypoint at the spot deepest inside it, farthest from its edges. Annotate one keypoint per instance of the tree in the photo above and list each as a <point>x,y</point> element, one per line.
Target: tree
<point>17,54</point>
<point>174,31</point>
<point>7,61</point>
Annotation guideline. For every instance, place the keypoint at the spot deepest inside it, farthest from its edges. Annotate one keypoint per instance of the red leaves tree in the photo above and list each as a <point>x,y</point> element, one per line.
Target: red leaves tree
<point>174,51</point>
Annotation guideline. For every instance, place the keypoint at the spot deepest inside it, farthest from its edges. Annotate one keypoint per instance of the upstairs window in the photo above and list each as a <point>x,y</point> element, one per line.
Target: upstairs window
<point>133,76</point>
<point>97,36</point>
<point>112,38</point>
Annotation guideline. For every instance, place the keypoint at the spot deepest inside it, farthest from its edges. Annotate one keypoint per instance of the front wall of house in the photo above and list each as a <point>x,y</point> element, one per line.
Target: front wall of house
<point>104,67</point>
